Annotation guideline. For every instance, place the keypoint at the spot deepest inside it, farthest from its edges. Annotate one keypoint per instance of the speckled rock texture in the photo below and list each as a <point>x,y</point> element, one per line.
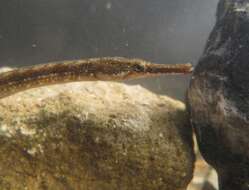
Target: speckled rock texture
<point>218,97</point>
<point>94,136</point>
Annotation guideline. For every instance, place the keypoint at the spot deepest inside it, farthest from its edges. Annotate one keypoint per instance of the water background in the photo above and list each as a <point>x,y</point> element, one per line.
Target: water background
<point>162,31</point>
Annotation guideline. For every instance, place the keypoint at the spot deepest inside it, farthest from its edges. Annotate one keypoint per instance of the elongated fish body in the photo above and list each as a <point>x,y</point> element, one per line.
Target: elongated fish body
<point>104,69</point>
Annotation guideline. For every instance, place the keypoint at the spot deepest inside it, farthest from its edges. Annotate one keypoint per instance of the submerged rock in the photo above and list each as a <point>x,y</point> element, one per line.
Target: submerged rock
<point>94,136</point>
<point>218,97</point>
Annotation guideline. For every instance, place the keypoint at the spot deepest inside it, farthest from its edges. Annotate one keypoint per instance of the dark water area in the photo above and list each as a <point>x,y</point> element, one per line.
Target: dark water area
<point>162,31</point>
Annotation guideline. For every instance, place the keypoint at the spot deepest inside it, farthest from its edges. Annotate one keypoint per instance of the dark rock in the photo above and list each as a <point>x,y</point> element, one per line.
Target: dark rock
<point>94,136</point>
<point>218,97</point>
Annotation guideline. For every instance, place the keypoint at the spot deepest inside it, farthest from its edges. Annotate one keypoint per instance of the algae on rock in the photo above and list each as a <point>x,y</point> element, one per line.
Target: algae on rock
<point>94,136</point>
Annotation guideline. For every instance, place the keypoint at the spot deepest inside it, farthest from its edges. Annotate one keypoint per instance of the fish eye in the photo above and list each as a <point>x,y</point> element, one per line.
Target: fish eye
<point>137,68</point>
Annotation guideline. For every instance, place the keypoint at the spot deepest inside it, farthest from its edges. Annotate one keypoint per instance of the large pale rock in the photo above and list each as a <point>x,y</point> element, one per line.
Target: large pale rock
<point>219,96</point>
<point>94,136</point>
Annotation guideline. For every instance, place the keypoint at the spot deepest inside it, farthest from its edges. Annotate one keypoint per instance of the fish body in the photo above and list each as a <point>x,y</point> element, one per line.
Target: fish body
<point>104,69</point>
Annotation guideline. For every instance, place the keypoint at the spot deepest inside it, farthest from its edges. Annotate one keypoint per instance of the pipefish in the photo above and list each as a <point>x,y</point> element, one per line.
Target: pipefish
<point>93,69</point>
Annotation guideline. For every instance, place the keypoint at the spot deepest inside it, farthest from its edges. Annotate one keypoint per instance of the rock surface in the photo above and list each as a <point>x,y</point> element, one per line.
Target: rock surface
<point>218,97</point>
<point>94,136</point>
